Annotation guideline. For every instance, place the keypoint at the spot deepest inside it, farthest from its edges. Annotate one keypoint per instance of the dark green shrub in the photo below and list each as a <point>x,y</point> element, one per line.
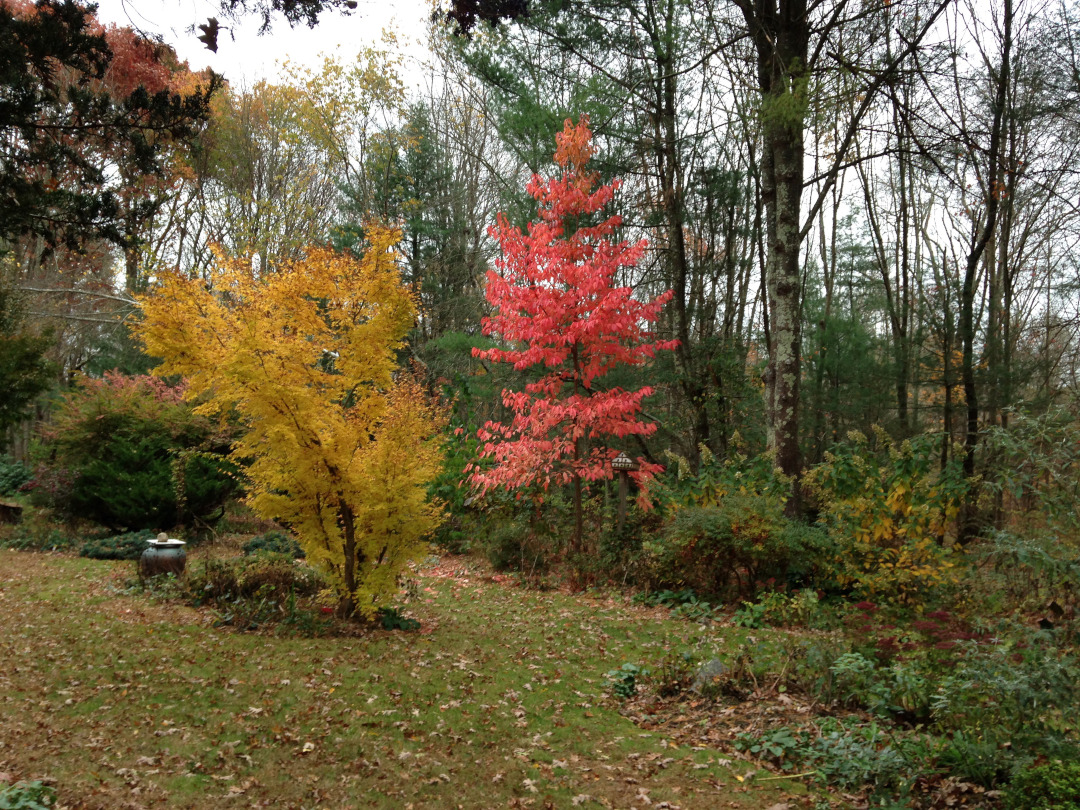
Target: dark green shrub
<point>451,489</point>
<point>128,546</point>
<point>274,542</point>
<point>730,548</point>
<point>977,760</point>
<point>258,590</point>
<point>13,474</point>
<point>128,452</point>
<point>858,755</point>
<point>1015,694</point>
<point>1053,786</point>
<point>391,619</point>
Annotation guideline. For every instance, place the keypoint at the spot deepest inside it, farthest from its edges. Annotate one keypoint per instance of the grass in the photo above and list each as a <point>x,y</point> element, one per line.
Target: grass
<point>499,701</point>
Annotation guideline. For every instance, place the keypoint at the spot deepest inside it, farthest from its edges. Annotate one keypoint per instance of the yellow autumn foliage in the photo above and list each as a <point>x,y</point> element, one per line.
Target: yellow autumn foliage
<point>335,447</point>
<point>892,515</point>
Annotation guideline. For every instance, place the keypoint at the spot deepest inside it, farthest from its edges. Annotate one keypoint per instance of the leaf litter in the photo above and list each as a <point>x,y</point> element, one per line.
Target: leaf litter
<point>127,703</point>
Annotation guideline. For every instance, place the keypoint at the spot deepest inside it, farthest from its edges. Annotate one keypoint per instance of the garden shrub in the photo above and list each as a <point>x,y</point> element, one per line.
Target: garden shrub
<point>978,760</point>
<point>1018,692</point>
<point>892,516</point>
<point>13,474</point>
<point>129,546</point>
<point>858,756</point>
<point>715,480</point>
<point>449,488</point>
<point>1050,786</point>
<point>1032,568</point>
<point>1037,469</point>
<point>731,547</point>
<point>128,452</point>
<point>514,545</point>
<point>276,542</point>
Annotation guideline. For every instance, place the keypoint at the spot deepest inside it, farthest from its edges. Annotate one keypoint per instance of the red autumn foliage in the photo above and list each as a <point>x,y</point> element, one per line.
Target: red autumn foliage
<point>556,308</point>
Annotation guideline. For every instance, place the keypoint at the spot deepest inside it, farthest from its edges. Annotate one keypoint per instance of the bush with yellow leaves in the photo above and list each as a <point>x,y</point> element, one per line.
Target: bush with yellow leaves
<point>338,446</point>
<point>892,515</point>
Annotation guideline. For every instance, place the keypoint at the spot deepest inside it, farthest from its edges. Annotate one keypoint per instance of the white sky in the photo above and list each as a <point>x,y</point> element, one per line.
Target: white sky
<point>244,57</point>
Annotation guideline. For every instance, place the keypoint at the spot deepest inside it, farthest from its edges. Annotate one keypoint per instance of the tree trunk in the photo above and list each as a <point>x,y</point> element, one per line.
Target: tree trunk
<point>781,37</point>
<point>983,237</point>
<point>348,526</point>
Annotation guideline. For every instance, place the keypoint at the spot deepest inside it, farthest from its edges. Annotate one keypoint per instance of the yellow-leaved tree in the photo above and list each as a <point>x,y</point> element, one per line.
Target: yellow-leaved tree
<point>334,446</point>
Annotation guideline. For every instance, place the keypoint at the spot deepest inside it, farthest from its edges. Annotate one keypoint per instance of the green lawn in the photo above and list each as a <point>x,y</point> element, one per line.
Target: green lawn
<point>499,701</point>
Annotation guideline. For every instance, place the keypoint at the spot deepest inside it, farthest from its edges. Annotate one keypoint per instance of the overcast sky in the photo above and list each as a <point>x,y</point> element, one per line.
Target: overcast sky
<point>244,57</point>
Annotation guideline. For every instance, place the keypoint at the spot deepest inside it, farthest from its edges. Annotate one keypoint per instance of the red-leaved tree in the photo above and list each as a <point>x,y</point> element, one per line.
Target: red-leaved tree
<point>556,306</point>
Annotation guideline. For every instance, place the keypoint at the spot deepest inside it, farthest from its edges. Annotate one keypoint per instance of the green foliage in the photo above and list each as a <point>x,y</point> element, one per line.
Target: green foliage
<point>25,371</point>
<point>731,547</point>
<point>128,452</point>
<point>528,543</point>
<point>449,489</point>
<point>750,615</point>
<point>776,746</point>
<point>995,705</point>
<point>27,796</point>
<point>853,678</point>
<point>254,591</point>
<point>1050,786</point>
<point>129,546</point>
<point>783,609</point>
<point>1031,569</point>
<point>13,474</point>
<point>715,480</point>
<point>859,755</point>
<point>624,680</point>
<point>1038,467</point>
<point>37,531</point>
<point>785,108</point>
<point>667,598</point>
<point>1019,692</point>
<point>391,619</point>
<point>683,603</point>
<point>979,760</point>
<point>849,377</point>
<point>698,611</point>
<point>891,515</point>
<point>275,542</point>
